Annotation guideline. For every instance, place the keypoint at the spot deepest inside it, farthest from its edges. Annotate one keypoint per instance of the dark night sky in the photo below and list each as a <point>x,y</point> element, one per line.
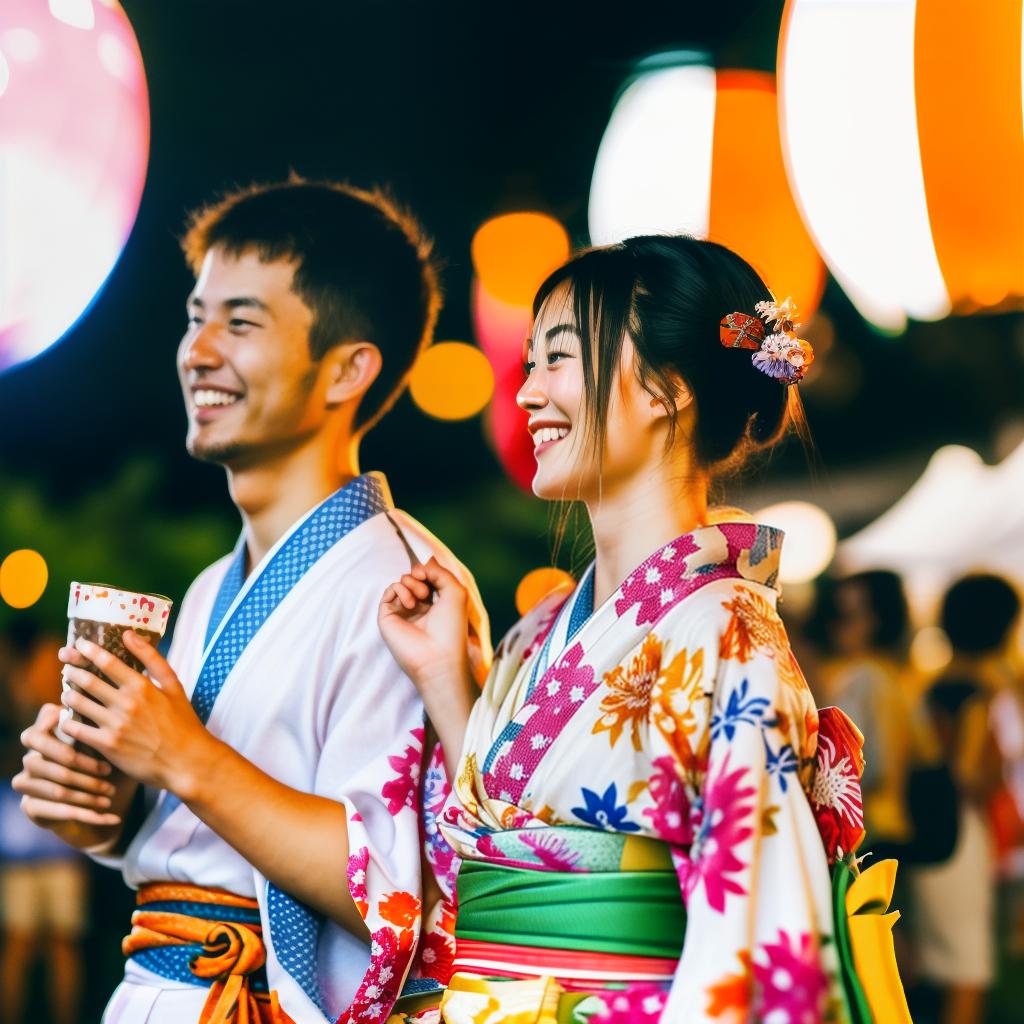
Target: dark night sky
<point>467,110</point>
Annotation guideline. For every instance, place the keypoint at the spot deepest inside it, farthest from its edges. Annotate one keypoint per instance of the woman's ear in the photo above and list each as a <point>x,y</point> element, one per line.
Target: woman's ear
<point>681,394</point>
<point>352,368</point>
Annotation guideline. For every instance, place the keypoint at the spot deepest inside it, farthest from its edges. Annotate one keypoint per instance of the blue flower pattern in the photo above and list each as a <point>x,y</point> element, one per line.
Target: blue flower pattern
<point>604,811</point>
<point>738,709</point>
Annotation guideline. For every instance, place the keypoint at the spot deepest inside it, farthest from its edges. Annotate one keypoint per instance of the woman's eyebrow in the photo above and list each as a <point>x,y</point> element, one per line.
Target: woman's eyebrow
<point>552,332</point>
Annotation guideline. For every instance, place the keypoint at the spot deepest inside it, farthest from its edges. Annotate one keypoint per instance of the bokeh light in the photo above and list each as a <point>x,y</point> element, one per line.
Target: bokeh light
<point>689,149</point>
<point>536,585</point>
<point>810,539</point>
<point>883,153</point>
<point>23,577</point>
<point>74,144</point>
<point>513,253</point>
<point>452,381</point>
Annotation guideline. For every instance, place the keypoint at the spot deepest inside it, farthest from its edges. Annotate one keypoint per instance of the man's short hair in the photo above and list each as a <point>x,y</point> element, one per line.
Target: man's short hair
<point>362,265</point>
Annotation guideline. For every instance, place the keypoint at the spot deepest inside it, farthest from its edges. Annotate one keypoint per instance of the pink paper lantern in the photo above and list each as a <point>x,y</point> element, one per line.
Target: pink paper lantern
<point>74,144</point>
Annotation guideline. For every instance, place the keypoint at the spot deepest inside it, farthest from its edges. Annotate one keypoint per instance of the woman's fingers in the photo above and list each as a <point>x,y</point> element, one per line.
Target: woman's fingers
<point>417,585</point>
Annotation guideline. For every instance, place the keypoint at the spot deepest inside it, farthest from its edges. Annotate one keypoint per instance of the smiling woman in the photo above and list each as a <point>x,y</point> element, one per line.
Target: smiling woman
<point>635,800</point>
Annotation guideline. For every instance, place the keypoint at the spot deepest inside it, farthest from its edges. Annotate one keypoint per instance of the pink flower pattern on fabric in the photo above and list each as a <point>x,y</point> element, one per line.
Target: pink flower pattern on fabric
<point>653,585</point>
<point>401,791</point>
<point>791,984</point>
<point>722,823</point>
<point>356,871</point>
<point>565,686</point>
<point>670,815</point>
<point>382,981</point>
<point>636,1004</point>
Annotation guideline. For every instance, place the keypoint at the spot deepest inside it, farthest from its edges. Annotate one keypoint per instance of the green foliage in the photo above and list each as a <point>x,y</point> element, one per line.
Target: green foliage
<point>117,534</point>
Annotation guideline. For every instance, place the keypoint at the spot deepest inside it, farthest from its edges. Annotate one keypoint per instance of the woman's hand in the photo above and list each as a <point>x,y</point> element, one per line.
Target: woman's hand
<point>425,622</point>
<point>145,726</point>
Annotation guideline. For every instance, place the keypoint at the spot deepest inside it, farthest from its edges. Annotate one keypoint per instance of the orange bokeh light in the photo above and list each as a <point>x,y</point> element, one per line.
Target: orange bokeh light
<point>452,381</point>
<point>23,578</point>
<point>513,253</point>
<point>538,584</point>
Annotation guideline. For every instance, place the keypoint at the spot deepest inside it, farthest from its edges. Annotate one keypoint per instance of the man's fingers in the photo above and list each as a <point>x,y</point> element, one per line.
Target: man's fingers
<point>45,789</point>
<point>44,742</point>
<point>70,656</point>
<point>41,810</point>
<point>441,579</point>
<point>99,690</point>
<point>153,661</point>
<point>87,707</point>
<point>113,668</point>
<point>37,766</point>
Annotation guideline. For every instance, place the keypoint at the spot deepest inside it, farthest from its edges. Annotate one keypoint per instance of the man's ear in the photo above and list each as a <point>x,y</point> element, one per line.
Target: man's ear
<point>351,367</point>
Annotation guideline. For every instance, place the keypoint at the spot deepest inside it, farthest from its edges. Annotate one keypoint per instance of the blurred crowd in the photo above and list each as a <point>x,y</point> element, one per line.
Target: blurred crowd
<point>943,793</point>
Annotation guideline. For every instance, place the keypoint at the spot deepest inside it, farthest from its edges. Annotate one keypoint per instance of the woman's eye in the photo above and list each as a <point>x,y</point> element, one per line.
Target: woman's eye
<point>528,369</point>
<point>553,357</point>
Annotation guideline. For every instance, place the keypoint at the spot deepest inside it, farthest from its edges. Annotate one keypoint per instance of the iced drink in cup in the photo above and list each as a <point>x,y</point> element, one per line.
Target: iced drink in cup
<point>102,614</point>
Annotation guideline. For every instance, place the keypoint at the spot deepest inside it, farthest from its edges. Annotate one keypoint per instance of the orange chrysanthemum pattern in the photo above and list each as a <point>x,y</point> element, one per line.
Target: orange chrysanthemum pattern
<point>628,697</point>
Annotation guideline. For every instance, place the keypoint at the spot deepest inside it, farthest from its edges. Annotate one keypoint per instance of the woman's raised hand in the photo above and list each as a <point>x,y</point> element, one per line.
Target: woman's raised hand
<point>424,620</point>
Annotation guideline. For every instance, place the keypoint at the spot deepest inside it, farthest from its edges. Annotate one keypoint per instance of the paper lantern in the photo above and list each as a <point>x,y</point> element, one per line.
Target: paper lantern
<point>538,584</point>
<point>74,142</point>
<point>692,150</point>
<point>902,126</point>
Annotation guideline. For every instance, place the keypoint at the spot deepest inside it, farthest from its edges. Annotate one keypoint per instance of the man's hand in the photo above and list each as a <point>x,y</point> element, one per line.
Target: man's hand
<point>146,727</point>
<point>78,798</point>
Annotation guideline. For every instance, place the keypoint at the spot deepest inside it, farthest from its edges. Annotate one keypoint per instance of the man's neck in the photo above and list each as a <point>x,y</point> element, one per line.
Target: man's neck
<point>272,496</point>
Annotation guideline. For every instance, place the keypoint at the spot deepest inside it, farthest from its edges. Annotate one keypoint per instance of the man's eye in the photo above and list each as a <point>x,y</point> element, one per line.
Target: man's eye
<point>194,321</point>
<point>235,323</point>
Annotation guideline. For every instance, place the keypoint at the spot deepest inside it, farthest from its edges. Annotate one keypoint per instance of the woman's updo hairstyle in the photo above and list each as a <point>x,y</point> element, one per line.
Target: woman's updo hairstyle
<point>671,292</point>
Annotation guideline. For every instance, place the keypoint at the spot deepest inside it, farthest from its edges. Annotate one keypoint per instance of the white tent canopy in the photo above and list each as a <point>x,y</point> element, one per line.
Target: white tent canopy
<point>960,516</point>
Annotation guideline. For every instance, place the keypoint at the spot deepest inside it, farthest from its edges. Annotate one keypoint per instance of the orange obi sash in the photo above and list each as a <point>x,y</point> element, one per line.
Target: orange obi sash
<point>206,937</point>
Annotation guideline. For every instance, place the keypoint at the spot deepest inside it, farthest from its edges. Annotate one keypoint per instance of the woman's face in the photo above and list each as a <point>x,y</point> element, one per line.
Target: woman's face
<point>554,395</point>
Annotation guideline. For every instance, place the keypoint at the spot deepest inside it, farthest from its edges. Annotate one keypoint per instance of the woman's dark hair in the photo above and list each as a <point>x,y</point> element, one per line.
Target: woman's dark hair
<point>978,613</point>
<point>362,266</point>
<point>670,292</point>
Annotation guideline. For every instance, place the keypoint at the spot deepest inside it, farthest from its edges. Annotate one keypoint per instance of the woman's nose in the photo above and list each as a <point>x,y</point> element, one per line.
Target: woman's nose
<point>531,395</point>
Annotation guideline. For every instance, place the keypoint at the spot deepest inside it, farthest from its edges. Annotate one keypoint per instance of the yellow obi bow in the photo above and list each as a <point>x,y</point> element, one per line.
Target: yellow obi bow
<point>232,951</point>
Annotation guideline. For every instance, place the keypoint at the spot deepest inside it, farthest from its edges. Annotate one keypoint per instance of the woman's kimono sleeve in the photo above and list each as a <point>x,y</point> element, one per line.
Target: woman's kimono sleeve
<point>753,871</point>
<point>370,763</point>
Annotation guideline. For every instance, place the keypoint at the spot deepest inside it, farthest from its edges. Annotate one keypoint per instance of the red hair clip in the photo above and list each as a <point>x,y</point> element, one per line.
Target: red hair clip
<point>741,330</point>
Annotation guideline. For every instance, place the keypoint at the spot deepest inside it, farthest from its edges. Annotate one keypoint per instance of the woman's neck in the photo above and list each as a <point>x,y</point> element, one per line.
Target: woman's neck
<point>644,514</point>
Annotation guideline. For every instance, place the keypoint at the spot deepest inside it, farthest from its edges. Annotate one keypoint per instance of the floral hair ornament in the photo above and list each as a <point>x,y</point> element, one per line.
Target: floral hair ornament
<point>781,354</point>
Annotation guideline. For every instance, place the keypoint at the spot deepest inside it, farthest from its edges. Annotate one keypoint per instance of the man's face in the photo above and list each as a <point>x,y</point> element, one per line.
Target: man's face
<point>250,384</point>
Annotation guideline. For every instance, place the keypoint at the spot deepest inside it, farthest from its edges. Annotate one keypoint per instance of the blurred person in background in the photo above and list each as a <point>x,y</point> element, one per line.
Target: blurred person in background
<point>864,620</point>
<point>43,881</point>
<point>975,707</point>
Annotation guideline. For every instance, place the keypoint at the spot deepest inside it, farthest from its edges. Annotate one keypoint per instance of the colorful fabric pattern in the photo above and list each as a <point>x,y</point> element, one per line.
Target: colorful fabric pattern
<point>676,715</point>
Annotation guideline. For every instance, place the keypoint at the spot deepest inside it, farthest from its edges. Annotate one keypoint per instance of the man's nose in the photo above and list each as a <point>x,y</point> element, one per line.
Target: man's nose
<point>200,348</point>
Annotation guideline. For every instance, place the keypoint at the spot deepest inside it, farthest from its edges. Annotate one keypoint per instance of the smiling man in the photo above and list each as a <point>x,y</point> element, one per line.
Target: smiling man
<point>263,794</point>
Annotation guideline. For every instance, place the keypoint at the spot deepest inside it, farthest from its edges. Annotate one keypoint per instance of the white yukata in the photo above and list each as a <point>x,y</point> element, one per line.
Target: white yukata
<point>316,700</point>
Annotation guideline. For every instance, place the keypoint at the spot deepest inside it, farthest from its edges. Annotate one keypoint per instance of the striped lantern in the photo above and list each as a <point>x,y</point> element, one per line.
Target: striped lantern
<point>903,129</point>
<point>694,150</point>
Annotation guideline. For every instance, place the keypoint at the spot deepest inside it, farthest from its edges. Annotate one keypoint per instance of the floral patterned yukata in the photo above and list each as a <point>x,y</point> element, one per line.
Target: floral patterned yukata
<point>668,731</point>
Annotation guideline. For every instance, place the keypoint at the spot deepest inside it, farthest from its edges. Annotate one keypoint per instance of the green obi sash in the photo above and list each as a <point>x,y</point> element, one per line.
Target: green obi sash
<point>635,912</point>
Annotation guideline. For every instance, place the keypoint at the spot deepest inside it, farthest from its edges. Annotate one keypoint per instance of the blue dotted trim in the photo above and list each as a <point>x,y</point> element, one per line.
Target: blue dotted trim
<point>420,986</point>
<point>295,932</point>
<point>207,911</point>
<point>172,963</point>
<point>230,588</point>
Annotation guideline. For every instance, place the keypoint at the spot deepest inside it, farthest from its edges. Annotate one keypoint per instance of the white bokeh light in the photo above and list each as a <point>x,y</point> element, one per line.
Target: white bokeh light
<point>810,539</point>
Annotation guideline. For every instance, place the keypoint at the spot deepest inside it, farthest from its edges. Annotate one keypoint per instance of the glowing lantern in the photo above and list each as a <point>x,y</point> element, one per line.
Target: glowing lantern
<point>536,585</point>
<point>512,254</point>
<point>810,539</point>
<point>74,141</point>
<point>23,576</point>
<point>451,381</point>
<point>696,151</point>
<point>902,125</point>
